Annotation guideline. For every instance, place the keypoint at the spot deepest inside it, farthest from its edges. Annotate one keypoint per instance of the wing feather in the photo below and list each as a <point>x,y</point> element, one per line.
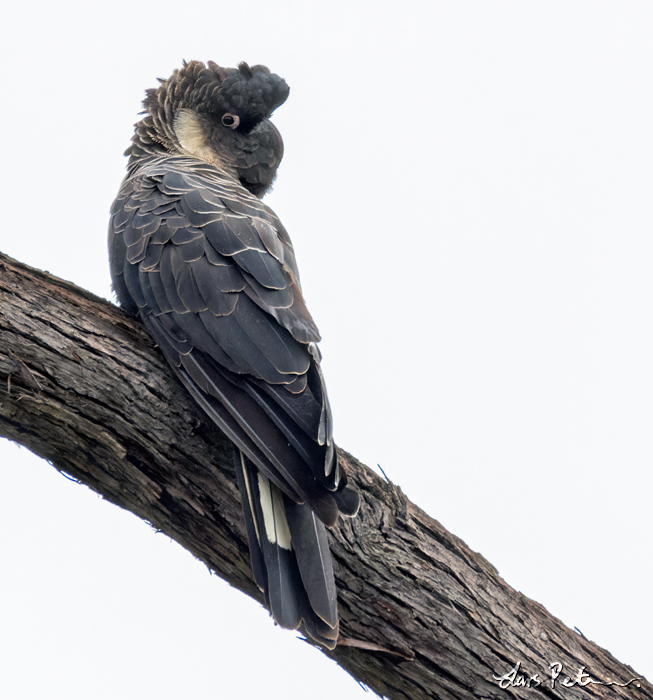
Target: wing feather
<point>265,269</point>
<point>211,281</point>
<point>232,234</point>
<point>311,548</point>
<point>214,276</point>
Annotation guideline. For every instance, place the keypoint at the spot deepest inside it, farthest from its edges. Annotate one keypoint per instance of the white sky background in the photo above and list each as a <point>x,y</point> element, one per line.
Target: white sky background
<point>468,188</point>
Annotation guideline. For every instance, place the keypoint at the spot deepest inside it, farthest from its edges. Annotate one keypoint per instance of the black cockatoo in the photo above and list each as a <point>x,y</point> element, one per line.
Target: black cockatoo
<point>211,272</point>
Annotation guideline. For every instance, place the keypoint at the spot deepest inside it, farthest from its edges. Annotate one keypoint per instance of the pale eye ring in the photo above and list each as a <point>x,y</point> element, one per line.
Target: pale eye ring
<point>231,121</point>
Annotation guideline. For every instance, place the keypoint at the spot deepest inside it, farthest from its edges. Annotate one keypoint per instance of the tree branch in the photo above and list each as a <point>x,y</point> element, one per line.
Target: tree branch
<point>422,616</point>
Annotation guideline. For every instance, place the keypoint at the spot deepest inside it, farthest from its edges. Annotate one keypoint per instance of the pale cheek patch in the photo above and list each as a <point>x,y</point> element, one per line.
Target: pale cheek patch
<point>274,514</point>
<point>191,134</point>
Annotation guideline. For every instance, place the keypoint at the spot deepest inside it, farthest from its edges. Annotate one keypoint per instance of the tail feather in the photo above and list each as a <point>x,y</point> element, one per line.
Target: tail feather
<point>309,542</point>
<point>290,557</point>
<point>248,497</point>
<point>318,630</point>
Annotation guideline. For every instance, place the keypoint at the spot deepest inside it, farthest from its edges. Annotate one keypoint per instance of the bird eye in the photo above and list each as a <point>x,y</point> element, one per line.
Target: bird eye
<point>231,121</point>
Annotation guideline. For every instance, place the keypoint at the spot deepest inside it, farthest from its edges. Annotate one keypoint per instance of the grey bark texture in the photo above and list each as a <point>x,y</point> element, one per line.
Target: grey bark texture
<point>422,616</point>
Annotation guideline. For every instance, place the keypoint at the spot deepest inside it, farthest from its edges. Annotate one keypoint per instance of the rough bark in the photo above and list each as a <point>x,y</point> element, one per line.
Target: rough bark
<point>422,616</point>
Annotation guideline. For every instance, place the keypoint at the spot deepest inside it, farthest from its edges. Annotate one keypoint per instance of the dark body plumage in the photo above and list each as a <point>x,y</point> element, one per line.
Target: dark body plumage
<point>211,272</point>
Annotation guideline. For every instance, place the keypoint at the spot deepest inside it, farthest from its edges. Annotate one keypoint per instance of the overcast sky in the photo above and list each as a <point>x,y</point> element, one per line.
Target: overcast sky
<point>468,188</point>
